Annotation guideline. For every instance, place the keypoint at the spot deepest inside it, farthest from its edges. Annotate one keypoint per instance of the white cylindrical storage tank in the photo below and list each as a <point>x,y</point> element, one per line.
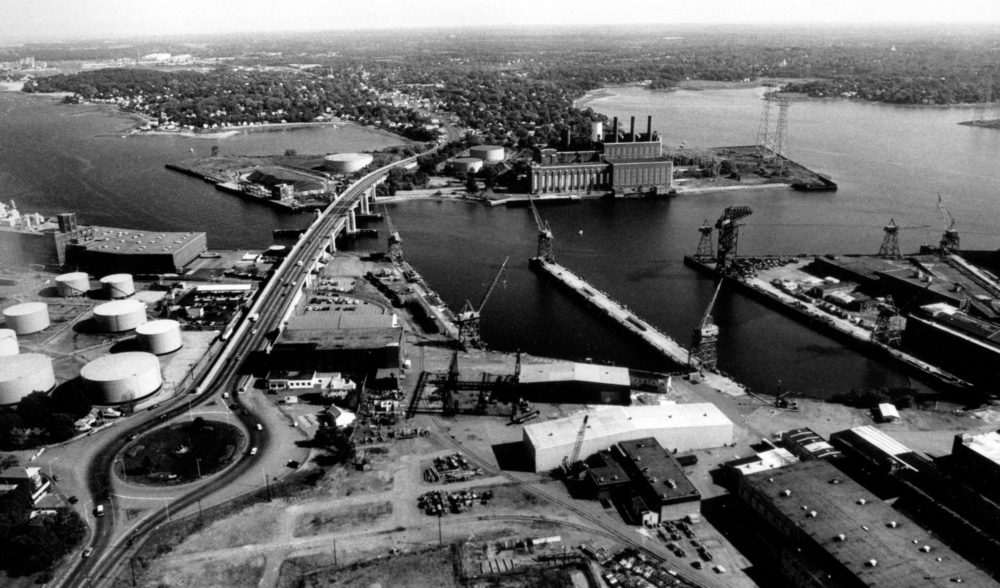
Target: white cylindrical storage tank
<point>596,130</point>
<point>27,317</point>
<point>120,315</point>
<point>118,285</point>
<point>73,284</point>
<point>469,165</point>
<point>23,374</point>
<point>8,342</point>
<point>159,337</point>
<point>346,163</point>
<point>488,153</point>
<point>121,377</point>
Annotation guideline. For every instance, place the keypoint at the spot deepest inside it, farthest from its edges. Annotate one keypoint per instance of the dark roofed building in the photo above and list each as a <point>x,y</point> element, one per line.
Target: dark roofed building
<point>339,341</point>
<point>605,476</point>
<point>658,480</point>
<point>283,183</point>
<point>827,530</point>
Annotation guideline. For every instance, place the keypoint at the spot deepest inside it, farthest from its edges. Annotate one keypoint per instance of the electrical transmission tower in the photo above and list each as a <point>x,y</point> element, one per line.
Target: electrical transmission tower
<point>780,143</point>
<point>705,250</point>
<point>764,129</point>
<point>890,242</point>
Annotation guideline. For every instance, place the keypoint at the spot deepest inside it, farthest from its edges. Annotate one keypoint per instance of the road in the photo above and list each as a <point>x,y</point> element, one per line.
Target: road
<point>272,304</point>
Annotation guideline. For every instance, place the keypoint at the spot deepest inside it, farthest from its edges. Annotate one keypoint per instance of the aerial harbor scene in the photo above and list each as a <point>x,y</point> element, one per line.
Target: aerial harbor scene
<point>524,295</point>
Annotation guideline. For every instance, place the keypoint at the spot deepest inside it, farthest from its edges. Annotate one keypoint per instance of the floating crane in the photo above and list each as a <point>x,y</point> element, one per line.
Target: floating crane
<point>469,334</point>
<point>395,250</point>
<point>728,226</point>
<point>949,241</point>
<point>545,252</point>
<point>569,463</point>
<point>703,348</point>
<point>890,242</point>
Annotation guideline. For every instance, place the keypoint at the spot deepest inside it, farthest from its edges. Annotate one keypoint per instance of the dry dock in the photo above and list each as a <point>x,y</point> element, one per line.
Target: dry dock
<point>656,339</point>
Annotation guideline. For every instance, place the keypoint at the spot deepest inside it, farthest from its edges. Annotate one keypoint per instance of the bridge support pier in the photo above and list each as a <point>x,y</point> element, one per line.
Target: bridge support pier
<point>366,201</point>
<point>352,222</point>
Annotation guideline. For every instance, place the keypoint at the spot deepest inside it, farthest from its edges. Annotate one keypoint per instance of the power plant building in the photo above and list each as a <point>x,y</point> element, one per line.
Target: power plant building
<point>24,374</point>
<point>580,383</point>
<point>633,165</point>
<point>823,529</point>
<point>121,377</point>
<point>681,427</point>
<point>27,318</point>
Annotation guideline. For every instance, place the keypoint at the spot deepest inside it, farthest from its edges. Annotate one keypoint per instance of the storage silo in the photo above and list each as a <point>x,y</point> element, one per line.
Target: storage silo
<point>121,377</point>
<point>488,153</point>
<point>8,342</point>
<point>118,285</point>
<point>73,284</point>
<point>120,315</point>
<point>160,336</point>
<point>27,317</point>
<point>346,163</point>
<point>21,375</point>
<point>469,165</point>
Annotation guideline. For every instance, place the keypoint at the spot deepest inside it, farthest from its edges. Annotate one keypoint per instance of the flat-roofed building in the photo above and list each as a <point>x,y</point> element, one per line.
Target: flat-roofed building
<point>339,341</point>
<point>605,477</point>
<point>874,448</point>
<point>824,530</point>
<point>568,382</point>
<point>771,459</point>
<point>807,444</point>
<point>977,457</point>
<point>681,427</point>
<point>658,480</point>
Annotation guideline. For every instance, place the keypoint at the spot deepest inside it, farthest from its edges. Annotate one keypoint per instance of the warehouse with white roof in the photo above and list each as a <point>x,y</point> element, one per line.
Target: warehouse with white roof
<point>579,383</point>
<point>683,427</point>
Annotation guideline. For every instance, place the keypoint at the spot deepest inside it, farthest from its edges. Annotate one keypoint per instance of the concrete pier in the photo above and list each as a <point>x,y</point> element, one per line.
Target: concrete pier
<point>656,339</point>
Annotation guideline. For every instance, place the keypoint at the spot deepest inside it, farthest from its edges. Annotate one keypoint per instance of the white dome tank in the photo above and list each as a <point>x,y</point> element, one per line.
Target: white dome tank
<point>120,315</point>
<point>118,285</point>
<point>467,164</point>
<point>488,153</point>
<point>24,374</point>
<point>73,284</point>
<point>160,337</point>
<point>8,342</point>
<point>121,377</point>
<point>27,317</point>
<point>346,163</point>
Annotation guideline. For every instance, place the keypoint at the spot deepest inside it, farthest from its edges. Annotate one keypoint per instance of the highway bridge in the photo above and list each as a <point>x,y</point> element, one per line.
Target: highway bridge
<point>114,544</point>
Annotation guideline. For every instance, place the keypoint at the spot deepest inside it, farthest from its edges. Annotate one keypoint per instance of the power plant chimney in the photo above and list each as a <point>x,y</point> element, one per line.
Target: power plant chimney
<point>649,128</point>
<point>614,134</point>
<point>631,129</point>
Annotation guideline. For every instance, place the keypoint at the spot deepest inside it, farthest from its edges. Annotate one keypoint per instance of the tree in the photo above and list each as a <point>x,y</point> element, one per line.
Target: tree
<point>291,153</point>
<point>9,461</point>
<point>215,150</point>
<point>470,184</point>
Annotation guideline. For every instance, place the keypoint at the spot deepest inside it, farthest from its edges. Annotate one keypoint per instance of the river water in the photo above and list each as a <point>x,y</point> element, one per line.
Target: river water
<point>888,161</point>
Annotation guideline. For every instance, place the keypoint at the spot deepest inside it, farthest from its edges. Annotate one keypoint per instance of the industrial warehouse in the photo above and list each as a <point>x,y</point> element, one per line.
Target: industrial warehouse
<point>676,427</point>
<point>633,164</point>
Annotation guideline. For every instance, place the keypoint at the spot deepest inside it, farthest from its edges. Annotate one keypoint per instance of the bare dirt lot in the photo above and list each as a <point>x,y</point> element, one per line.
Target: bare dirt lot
<point>337,519</point>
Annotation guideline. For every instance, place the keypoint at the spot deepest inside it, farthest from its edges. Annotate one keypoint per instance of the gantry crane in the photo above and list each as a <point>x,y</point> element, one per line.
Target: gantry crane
<point>890,320</point>
<point>395,250</point>
<point>545,252</point>
<point>469,334</point>
<point>728,226</point>
<point>890,242</point>
<point>703,344</point>
<point>949,240</point>
<point>449,406</point>
<point>570,461</point>
<point>705,251</point>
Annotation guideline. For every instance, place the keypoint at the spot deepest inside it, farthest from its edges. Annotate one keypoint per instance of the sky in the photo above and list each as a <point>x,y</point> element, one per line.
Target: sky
<point>48,20</point>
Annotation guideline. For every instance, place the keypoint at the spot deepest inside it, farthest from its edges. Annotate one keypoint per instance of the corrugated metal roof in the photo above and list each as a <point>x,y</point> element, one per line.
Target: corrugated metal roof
<point>880,440</point>
<point>574,372</point>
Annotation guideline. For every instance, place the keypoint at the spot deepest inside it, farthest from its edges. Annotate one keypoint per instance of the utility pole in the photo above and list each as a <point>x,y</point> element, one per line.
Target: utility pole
<point>268,486</point>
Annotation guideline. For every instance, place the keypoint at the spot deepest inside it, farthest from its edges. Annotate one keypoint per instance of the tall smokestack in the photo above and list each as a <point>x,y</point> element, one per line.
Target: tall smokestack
<point>567,138</point>
<point>631,129</point>
<point>649,128</point>
<point>614,133</point>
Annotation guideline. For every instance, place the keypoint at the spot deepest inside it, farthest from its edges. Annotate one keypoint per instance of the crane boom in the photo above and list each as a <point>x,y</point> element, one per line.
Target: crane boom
<point>544,234</point>
<point>707,317</point>
<point>493,284</point>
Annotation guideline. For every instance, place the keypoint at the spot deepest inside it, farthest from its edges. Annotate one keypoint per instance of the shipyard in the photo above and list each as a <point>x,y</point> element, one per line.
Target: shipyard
<point>460,317</point>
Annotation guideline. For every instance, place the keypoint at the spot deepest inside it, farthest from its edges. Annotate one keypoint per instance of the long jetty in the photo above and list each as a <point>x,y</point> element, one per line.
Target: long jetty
<point>655,338</point>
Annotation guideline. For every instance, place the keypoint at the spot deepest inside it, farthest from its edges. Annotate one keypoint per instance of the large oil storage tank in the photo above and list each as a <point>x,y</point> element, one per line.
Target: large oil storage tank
<point>24,374</point>
<point>160,337</point>
<point>118,286</point>
<point>488,153</point>
<point>73,284</point>
<point>121,377</point>
<point>346,163</point>
<point>27,317</point>
<point>469,165</point>
<point>8,342</point>
<point>120,315</point>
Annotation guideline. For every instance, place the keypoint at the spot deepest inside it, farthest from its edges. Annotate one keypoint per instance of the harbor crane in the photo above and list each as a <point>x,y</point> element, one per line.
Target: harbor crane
<point>890,242</point>
<point>705,251</point>
<point>469,333</point>
<point>545,252</point>
<point>728,226</point>
<point>703,344</point>
<point>890,321</point>
<point>949,241</point>
<point>395,250</point>
<point>570,462</point>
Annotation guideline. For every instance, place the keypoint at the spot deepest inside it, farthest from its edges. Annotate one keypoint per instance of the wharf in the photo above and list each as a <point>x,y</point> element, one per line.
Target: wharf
<point>658,340</point>
<point>523,200</point>
<point>840,329</point>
